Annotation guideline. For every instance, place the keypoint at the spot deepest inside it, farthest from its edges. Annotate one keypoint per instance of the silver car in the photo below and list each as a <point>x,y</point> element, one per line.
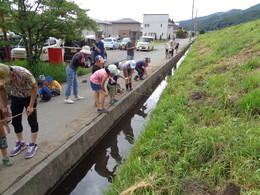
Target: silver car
<point>124,42</point>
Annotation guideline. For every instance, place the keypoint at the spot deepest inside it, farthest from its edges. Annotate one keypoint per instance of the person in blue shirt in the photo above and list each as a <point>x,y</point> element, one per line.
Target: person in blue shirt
<point>44,92</point>
<point>98,47</point>
<point>141,69</point>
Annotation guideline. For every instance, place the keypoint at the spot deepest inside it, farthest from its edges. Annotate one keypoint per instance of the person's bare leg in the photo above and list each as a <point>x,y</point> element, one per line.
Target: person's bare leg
<point>96,95</point>
<point>34,137</point>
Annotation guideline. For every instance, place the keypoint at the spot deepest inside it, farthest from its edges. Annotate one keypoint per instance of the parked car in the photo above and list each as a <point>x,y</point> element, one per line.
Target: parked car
<point>124,42</point>
<point>111,43</point>
<point>72,47</point>
<point>70,51</point>
<point>145,43</point>
<point>13,41</point>
<point>19,53</point>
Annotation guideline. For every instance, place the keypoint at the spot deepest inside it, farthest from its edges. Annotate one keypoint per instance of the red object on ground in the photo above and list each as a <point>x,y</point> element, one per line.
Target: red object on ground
<point>55,55</point>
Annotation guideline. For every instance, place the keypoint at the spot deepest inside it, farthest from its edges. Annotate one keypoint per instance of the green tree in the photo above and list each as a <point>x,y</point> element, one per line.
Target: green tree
<point>36,21</point>
<point>180,34</point>
<point>202,31</point>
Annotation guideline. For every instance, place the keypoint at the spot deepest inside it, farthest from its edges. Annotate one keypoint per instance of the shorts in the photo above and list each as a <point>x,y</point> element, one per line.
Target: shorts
<point>129,57</point>
<point>95,87</point>
<point>128,71</point>
<point>112,89</point>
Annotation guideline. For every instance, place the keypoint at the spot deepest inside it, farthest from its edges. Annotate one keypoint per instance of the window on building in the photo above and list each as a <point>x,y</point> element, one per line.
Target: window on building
<point>161,25</point>
<point>146,25</point>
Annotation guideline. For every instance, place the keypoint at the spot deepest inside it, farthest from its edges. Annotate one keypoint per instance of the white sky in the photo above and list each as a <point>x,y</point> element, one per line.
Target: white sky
<point>177,9</point>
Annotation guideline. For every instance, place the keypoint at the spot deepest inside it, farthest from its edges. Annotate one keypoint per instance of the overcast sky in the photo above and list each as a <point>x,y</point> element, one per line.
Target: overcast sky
<point>177,9</point>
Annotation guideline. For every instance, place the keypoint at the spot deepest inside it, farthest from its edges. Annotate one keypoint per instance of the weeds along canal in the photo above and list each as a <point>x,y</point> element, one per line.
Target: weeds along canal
<point>95,171</point>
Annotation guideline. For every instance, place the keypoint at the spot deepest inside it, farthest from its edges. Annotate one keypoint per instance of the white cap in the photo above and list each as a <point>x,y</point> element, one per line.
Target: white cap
<point>132,63</point>
<point>113,69</point>
<point>85,50</point>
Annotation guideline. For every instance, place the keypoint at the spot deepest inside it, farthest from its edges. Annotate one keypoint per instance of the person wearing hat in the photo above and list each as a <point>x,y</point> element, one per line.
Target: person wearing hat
<point>23,95</point>
<point>113,86</point>
<point>54,86</point>
<point>43,80</point>
<point>99,63</point>
<point>97,83</point>
<point>128,69</point>
<point>79,59</point>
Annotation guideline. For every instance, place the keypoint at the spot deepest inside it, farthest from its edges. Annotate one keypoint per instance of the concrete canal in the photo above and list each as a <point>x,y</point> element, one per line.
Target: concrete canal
<point>95,171</point>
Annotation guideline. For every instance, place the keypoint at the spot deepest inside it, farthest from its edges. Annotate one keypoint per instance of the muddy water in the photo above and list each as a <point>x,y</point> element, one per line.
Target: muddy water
<point>94,173</point>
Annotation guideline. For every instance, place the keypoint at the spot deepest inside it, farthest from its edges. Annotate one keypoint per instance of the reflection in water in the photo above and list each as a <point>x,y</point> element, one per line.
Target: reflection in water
<point>97,169</point>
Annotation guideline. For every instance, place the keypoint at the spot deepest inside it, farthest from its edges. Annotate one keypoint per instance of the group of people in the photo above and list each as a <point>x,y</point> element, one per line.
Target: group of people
<point>48,87</point>
<point>170,47</point>
<point>25,89</point>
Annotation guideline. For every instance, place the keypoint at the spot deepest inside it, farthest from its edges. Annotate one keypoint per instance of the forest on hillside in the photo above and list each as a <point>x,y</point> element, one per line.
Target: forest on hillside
<point>222,19</point>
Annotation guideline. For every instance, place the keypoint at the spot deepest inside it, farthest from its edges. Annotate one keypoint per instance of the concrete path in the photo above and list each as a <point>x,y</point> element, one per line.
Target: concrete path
<point>59,121</point>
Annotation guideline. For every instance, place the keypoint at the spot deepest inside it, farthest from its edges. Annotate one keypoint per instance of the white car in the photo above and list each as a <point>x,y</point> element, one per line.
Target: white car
<point>145,43</point>
<point>124,42</point>
<point>111,43</point>
<point>19,53</point>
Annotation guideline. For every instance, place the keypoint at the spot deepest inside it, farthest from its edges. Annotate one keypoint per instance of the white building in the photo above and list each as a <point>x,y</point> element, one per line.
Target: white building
<point>158,26</point>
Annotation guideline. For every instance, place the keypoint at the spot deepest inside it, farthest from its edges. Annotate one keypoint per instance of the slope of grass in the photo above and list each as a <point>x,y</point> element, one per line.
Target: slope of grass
<point>204,135</point>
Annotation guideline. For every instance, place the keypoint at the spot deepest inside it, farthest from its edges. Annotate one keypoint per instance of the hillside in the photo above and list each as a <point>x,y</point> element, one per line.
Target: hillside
<point>223,19</point>
<point>203,136</point>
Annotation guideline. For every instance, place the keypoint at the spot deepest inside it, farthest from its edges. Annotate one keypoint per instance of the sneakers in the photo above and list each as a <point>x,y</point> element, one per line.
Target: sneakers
<point>7,161</point>
<point>102,110</point>
<point>31,150</point>
<point>115,100</point>
<point>69,101</point>
<point>19,146</point>
<point>136,78</point>
<point>79,98</point>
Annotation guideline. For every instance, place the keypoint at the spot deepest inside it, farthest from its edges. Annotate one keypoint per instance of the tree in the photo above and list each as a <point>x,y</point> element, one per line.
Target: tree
<point>180,34</point>
<point>202,31</point>
<point>36,21</point>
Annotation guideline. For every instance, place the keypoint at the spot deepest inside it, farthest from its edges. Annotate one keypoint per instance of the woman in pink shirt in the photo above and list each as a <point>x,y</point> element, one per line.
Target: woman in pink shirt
<point>97,82</point>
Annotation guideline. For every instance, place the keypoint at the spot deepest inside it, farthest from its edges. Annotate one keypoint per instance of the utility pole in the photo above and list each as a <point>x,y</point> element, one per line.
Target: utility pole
<point>7,48</point>
<point>196,22</point>
<point>192,22</point>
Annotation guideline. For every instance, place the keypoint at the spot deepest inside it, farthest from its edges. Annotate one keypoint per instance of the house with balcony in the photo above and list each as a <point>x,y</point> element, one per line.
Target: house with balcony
<point>159,26</point>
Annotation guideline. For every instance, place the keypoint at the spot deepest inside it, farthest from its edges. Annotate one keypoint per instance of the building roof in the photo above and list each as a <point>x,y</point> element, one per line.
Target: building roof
<point>156,14</point>
<point>102,22</point>
<point>125,20</point>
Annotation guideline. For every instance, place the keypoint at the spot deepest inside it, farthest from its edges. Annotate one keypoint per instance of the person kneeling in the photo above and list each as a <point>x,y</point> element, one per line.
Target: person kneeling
<point>44,92</point>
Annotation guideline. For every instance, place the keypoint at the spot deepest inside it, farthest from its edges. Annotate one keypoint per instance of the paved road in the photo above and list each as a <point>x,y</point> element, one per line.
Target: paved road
<point>59,121</point>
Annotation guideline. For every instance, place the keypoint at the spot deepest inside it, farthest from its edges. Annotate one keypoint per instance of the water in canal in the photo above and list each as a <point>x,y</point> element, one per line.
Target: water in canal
<point>94,173</point>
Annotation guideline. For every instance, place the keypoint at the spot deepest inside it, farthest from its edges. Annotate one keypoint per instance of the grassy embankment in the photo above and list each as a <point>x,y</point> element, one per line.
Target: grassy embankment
<point>204,135</point>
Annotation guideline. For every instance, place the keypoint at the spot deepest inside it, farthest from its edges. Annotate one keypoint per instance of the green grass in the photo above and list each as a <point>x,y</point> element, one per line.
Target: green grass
<point>205,131</point>
<point>58,72</point>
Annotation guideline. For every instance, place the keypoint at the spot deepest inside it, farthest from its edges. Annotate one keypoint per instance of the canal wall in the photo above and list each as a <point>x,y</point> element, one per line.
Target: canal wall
<point>45,175</point>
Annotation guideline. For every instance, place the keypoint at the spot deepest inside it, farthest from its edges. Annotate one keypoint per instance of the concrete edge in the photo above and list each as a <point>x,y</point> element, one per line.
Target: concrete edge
<point>46,174</point>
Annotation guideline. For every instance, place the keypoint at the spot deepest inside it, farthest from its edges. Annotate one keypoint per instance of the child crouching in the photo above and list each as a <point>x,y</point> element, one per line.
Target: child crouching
<point>112,88</point>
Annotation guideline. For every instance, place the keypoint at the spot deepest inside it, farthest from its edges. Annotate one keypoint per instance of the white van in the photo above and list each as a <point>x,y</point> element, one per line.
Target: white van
<point>19,53</point>
<point>145,43</point>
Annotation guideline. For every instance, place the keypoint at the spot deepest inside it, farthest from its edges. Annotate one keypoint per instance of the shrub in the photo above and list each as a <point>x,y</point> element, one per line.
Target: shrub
<point>58,72</point>
<point>202,31</point>
<point>180,34</point>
